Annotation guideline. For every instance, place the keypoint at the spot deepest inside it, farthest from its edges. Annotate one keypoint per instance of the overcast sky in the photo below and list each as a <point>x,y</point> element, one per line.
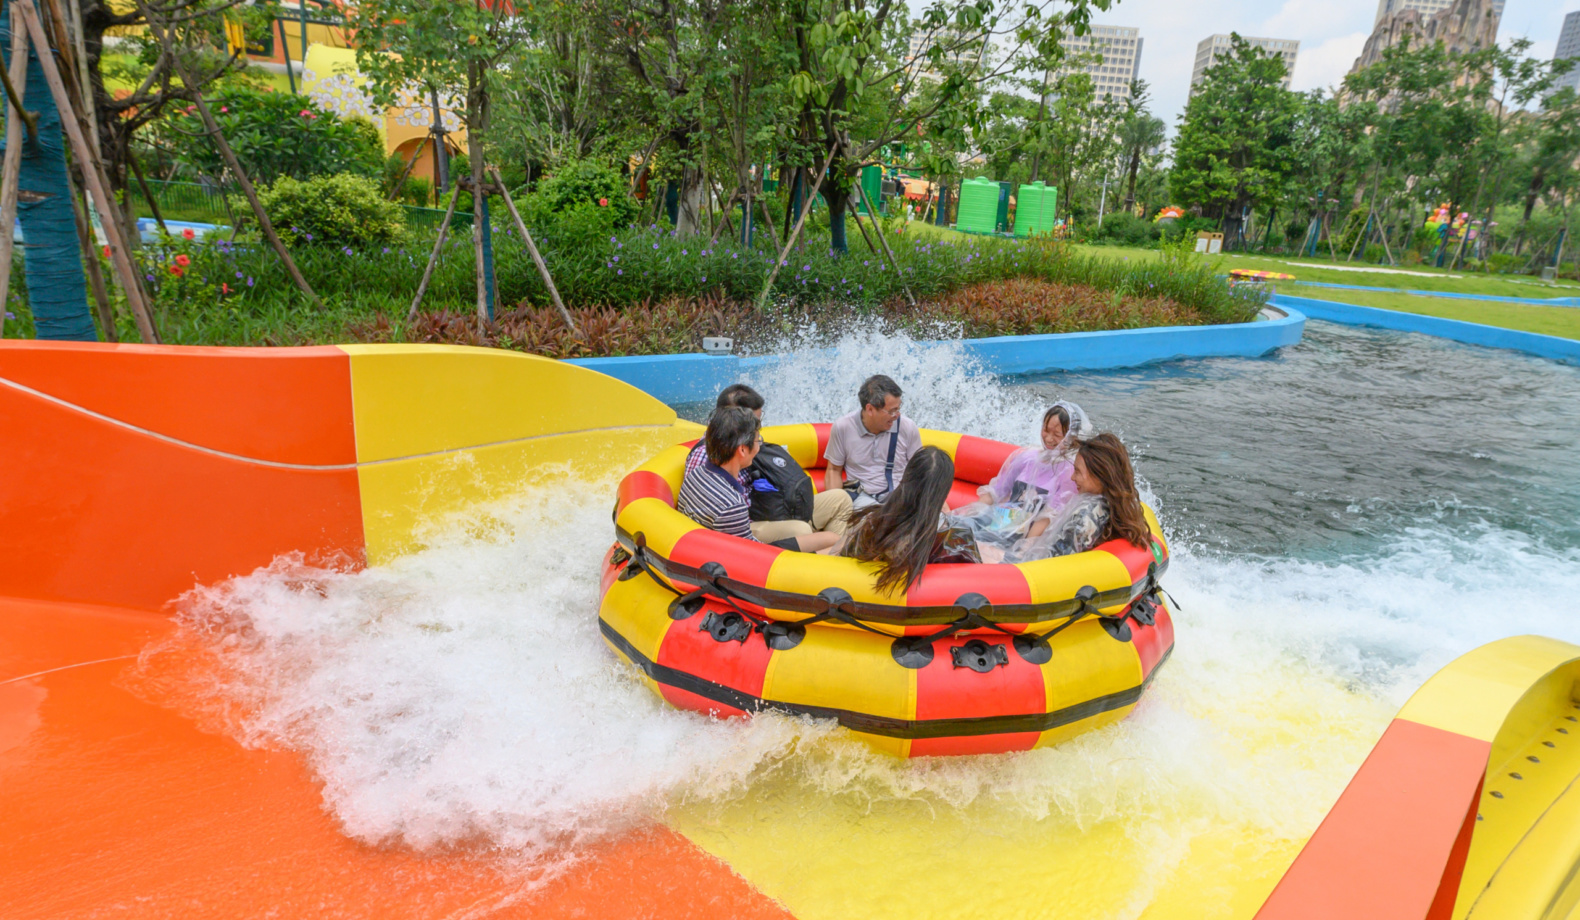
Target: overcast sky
<point>1330,32</point>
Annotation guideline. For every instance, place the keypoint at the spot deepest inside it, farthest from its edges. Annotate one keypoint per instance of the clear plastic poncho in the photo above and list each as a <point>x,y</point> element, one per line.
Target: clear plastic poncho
<point>1034,484</point>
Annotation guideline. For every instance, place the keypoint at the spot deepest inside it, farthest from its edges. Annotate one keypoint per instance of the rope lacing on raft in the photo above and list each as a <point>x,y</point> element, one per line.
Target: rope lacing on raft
<point>909,651</point>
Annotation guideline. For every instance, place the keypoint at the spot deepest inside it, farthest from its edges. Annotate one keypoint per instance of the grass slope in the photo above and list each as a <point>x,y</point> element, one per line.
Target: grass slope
<point>1559,321</point>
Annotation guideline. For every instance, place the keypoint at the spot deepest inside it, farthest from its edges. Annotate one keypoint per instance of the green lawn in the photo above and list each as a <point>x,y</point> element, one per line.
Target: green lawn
<point>1426,279</point>
<point>1559,321</point>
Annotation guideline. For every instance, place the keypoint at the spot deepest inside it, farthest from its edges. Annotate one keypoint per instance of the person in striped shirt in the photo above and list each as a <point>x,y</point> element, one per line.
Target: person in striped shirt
<point>713,493</point>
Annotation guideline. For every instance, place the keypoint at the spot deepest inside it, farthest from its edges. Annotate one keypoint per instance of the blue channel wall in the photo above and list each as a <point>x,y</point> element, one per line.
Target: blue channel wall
<point>1546,346</point>
<point>677,379</point>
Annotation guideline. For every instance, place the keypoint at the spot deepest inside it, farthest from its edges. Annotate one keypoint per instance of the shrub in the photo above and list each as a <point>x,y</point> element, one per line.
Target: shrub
<point>1507,263</point>
<point>584,183</point>
<point>277,134</point>
<point>416,190</point>
<point>1126,229</point>
<point>344,210</point>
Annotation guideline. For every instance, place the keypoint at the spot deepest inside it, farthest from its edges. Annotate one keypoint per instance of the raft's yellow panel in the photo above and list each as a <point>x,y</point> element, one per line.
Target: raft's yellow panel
<point>662,525</point>
<point>1057,579</point>
<point>948,441</point>
<point>635,609</point>
<point>1087,663</point>
<point>799,440</point>
<point>845,669</point>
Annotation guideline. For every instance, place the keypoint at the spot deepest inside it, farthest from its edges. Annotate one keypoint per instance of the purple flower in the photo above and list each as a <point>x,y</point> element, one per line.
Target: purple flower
<point>386,250</point>
<point>806,268</point>
<point>655,245</point>
<point>347,250</point>
<point>612,239</point>
<point>619,271</point>
<point>309,237</point>
<point>149,277</point>
<point>10,315</point>
<point>249,282</point>
<point>683,252</point>
<point>704,279</point>
<point>239,274</point>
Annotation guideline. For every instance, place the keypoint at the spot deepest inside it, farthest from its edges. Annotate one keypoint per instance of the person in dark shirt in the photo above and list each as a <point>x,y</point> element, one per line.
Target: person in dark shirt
<point>714,494</point>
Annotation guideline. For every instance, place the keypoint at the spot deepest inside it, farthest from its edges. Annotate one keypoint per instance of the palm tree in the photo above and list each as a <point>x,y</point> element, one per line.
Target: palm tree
<point>1139,131</point>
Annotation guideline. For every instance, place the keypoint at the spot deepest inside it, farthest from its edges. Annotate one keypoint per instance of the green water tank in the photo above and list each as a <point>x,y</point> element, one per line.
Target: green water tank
<point>1035,205</point>
<point>978,209</point>
<point>872,184</point>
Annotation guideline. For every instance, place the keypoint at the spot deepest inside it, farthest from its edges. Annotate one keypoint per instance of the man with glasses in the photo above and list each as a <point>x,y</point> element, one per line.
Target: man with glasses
<point>715,495</point>
<point>872,444</point>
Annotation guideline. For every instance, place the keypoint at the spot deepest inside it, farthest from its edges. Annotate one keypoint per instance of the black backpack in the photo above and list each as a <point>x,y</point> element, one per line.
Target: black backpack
<point>781,490</point>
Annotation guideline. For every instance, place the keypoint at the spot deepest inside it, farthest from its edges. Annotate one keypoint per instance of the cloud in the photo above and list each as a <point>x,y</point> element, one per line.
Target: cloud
<point>1326,64</point>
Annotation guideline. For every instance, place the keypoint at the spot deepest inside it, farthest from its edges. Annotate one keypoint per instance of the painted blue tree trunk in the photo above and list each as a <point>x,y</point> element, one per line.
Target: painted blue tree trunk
<point>57,289</point>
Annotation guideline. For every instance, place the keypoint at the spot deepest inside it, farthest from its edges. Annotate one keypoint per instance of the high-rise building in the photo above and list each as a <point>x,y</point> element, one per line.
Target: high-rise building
<point>1461,25</point>
<point>1569,47</point>
<point>1426,8</point>
<point>1215,46</point>
<point>1111,54</point>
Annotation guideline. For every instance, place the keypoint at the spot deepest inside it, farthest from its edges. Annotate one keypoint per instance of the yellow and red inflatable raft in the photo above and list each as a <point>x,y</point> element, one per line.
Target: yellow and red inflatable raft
<point>972,659</point>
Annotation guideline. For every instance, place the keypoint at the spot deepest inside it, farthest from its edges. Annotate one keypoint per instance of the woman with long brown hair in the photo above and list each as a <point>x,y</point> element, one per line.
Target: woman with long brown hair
<point>1106,506</point>
<point>907,531</point>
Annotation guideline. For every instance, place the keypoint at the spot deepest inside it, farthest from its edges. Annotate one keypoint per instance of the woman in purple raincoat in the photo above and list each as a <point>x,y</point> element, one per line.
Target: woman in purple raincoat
<point>1033,485</point>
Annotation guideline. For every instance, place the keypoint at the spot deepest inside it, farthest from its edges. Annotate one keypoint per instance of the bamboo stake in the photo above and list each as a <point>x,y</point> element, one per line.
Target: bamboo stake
<point>537,258</point>
<point>726,212</point>
<point>878,228</point>
<point>148,193</point>
<point>406,173</point>
<point>762,299</point>
<point>229,155</point>
<point>850,203</point>
<point>101,296</point>
<point>433,257</point>
<point>92,173</point>
<point>13,164</point>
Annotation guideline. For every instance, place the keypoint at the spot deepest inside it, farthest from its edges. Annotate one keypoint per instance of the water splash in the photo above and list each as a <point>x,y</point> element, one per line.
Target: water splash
<point>462,696</point>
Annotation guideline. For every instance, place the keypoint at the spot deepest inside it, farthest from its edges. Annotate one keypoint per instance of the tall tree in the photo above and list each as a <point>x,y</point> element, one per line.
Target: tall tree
<point>1234,149</point>
<point>1139,132</point>
<point>419,46</point>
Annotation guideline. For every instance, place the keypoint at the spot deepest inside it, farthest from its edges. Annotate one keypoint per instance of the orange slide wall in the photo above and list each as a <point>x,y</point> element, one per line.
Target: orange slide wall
<point>127,475</point>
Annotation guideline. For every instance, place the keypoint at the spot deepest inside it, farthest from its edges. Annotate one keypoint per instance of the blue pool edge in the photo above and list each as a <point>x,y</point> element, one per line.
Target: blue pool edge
<point>1553,347</point>
<point>687,378</point>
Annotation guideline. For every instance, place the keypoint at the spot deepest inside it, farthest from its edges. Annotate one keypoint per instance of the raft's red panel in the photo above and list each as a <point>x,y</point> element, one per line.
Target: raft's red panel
<point>738,665</point>
<point>944,691</point>
<point>941,584</point>
<point>978,459</point>
<point>961,493</point>
<point>742,560</point>
<point>822,429</point>
<point>644,484</point>
<point>1153,642</point>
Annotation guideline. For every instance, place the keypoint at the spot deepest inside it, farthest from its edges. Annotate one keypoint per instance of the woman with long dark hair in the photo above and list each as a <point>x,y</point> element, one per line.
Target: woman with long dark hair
<point>1106,506</point>
<point>906,532</point>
